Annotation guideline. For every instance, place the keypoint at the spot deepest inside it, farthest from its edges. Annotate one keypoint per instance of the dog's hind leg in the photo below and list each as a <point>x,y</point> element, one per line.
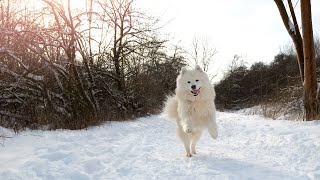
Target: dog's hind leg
<point>212,128</point>
<point>185,138</point>
<point>194,139</point>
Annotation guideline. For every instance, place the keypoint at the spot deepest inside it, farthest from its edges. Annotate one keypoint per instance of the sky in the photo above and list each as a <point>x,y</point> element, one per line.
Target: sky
<point>252,29</point>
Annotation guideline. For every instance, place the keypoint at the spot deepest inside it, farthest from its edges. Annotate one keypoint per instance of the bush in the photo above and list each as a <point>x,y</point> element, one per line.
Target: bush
<point>244,87</point>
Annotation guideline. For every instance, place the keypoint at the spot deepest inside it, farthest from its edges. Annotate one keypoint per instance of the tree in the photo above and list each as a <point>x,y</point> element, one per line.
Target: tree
<point>305,51</point>
<point>68,67</point>
<point>69,40</point>
<point>41,78</point>
<point>310,83</point>
<point>132,39</point>
<point>203,55</point>
<point>294,32</point>
<point>90,12</point>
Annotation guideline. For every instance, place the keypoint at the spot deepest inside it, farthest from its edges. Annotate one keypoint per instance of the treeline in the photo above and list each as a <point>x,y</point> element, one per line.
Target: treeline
<point>62,67</point>
<point>277,84</point>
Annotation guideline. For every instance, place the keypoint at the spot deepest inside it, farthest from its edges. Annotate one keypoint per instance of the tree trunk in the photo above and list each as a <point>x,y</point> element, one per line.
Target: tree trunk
<point>294,33</point>
<point>310,82</point>
<point>297,40</point>
<point>90,27</point>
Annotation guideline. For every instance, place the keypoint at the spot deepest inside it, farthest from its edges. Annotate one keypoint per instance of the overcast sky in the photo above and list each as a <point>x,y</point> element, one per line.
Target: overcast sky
<point>250,28</point>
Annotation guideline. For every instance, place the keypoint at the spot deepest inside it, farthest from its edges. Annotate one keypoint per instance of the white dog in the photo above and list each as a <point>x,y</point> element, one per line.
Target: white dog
<point>192,107</point>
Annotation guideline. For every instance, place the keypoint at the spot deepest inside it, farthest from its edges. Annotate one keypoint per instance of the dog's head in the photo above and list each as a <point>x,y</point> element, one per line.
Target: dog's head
<point>192,81</point>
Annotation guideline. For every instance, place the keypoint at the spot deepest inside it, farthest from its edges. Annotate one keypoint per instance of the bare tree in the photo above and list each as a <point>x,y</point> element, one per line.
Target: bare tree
<point>69,37</point>
<point>203,54</point>
<point>132,33</point>
<point>90,13</point>
<point>305,51</point>
<point>20,79</point>
<point>71,68</point>
<point>294,32</point>
<point>47,67</point>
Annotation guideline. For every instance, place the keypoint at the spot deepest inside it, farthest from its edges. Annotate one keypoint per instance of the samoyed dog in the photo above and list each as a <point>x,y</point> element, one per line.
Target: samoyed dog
<point>192,107</point>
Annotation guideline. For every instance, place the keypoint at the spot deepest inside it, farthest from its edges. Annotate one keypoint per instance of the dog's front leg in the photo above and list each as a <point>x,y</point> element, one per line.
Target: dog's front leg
<point>185,138</point>
<point>187,127</point>
<point>186,122</point>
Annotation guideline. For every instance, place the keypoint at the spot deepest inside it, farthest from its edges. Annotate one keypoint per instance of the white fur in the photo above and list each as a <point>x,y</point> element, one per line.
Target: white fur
<point>192,113</point>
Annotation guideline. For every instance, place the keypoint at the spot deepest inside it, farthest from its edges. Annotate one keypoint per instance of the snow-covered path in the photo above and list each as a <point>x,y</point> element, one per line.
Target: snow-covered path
<point>248,147</point>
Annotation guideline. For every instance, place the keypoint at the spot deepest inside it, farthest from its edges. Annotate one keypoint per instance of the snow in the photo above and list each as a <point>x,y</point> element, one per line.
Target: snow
<point>35,77</point>
<point>249,147</point>
<point>291,26</point>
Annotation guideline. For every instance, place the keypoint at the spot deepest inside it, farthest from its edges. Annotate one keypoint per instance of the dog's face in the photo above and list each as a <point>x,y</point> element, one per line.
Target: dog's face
<point>192,81</point>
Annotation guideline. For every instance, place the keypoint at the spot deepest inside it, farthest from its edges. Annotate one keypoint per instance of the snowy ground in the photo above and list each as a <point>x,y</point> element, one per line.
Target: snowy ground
<point>249,147</point>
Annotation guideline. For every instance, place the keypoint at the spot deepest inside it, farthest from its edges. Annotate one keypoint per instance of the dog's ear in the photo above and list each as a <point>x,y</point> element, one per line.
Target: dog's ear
<point>183,70</point>
<point>198,68</point>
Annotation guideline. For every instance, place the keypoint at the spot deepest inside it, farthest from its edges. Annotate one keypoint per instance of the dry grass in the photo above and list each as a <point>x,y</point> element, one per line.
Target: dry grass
<point>285,104</point>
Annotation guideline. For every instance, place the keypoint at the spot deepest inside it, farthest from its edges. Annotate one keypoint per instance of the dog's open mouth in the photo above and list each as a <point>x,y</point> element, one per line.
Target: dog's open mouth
<point>195,92</point>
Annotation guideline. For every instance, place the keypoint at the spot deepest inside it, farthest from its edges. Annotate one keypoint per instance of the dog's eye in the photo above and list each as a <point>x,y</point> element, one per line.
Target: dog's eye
<point>189,82</point>
<point>197,80</point>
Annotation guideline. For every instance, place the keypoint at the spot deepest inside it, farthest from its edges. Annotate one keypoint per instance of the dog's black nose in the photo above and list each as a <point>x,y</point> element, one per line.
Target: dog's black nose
<point>193,87</point>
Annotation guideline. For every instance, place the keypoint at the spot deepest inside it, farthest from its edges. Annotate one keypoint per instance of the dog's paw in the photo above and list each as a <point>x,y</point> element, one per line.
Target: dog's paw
<point>188,155</point>
<point>187,129</point>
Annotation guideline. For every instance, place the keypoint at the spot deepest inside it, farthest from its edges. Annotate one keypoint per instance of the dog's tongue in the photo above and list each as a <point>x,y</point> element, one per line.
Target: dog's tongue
<point>195,92</point>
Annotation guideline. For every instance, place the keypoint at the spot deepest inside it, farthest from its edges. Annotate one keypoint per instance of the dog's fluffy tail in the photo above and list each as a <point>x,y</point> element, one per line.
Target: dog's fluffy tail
<point>170,110</point>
